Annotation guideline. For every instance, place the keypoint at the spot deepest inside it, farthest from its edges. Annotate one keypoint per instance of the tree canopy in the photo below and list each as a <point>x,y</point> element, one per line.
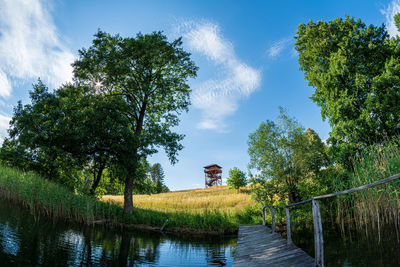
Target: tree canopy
<point>355,71</point>
<point>150,74</point>
<point>283,154</point>
<point>236,179</point>
<point>66,130</point>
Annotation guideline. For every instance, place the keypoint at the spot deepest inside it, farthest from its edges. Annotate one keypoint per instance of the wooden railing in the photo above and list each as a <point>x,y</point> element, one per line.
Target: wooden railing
<point>318,236</point>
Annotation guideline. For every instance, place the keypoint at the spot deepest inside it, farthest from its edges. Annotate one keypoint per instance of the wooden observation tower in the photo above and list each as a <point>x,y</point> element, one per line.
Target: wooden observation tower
<point>212,175</point>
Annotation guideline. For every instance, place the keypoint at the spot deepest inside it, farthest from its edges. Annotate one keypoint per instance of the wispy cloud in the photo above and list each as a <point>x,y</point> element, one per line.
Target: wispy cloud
<point>277,47</point>
<point>219,97</point>
<point>392,9</point>
<point>30,46</point>
<point>4,122</point>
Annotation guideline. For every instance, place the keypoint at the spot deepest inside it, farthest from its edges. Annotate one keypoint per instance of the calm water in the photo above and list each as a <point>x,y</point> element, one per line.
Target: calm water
<point>353,248</point>
<point>28,242</point>
<point>25,241</point>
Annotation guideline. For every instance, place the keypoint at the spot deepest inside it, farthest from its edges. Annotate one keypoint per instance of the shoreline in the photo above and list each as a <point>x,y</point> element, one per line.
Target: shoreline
<point>45,198</point>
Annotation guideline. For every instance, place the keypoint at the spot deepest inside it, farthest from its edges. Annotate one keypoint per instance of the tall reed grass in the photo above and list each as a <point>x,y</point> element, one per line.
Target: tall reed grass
<point>43,197</point>
<point>378,207</point>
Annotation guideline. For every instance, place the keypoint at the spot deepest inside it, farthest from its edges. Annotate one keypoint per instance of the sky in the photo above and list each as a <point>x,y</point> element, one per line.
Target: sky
<point>248,66</point>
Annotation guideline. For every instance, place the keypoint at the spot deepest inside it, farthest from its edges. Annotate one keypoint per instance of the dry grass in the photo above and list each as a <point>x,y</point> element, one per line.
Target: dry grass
<point>219,198</point>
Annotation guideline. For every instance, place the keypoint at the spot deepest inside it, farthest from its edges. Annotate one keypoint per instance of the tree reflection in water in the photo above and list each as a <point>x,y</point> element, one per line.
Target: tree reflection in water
<point>26,242</point>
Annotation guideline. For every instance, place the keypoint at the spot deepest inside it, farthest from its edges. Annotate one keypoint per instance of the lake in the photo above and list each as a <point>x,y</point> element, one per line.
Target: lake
<point>29,241</point>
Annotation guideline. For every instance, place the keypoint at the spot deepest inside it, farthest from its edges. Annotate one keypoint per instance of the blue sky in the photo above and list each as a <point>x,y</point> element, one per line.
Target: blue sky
<point>245,51</point>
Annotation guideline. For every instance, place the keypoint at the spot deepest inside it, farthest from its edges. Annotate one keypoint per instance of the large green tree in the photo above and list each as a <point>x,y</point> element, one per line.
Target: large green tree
<point>355,72</point>
<point>283,154</point>
<point>151,75</point>
<point>67,130</point>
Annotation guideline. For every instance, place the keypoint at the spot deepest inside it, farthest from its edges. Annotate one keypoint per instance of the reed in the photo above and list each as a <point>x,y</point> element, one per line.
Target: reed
<point>43,197</point>
<point>374,208</point>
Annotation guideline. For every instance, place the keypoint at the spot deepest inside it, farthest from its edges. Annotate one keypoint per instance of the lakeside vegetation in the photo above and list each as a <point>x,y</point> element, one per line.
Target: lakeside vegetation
<point>370,212</point>
<point>43,197</point>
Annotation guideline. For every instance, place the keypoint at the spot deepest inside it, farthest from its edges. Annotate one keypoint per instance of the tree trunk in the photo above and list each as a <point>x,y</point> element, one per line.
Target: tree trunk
<point>124,249</point>
<point>96,179</point>
<point>128,202</point>
<point>293,195</point>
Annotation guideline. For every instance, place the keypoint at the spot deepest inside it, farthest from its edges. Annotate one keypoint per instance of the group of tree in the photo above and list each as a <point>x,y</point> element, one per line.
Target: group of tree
<point>153,179</point>
<point>285,156</point>
<point>355,72</point>
<point>125,98</point>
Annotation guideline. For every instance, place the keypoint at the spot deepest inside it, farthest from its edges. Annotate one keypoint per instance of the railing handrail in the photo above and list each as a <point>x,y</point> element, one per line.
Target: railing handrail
<point>383,181</point>
<point>318,237</point>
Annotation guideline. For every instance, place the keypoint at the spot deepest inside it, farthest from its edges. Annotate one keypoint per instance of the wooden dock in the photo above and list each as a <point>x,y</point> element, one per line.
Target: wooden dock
<point>257,246</point>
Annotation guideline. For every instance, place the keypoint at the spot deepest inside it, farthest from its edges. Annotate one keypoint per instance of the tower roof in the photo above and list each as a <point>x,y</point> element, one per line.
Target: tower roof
<point>212,165</point>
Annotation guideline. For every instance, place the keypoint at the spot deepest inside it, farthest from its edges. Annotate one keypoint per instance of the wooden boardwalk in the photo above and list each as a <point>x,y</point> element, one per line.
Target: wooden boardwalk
<point>256,246</point>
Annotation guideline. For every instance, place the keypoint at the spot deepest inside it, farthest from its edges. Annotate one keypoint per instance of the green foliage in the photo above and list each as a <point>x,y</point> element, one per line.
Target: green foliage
<point>126,97</point>
<point>67,132</point>
<point>157,176</point>
<point>284,156</point>
<point>355,70</point>
<point>150,74</point>
<point>152,179</point>
<point>397,20</point>
<point>372,208</point>
<point>236,178</point>
<point>42,196</point>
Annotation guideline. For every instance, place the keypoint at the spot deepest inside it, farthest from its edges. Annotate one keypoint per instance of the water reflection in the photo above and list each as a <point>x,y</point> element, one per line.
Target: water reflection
<point>353,248</point>
<point>26,242</point>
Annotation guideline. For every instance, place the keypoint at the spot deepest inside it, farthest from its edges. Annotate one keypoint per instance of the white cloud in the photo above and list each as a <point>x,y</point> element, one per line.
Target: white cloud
<point>277,47</point>
<point>389,12</point>
<point>30,46</point>
<point>5,87</point>
<point>219,97</point>
<point>4,124</point>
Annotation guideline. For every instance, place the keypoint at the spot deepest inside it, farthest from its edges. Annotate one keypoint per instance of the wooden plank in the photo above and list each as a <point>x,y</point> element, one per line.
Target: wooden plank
<point>273,219</point>
<point>318,236</point>
<point>263,215</point>
<point>257,246</point>
<point>288,230</point>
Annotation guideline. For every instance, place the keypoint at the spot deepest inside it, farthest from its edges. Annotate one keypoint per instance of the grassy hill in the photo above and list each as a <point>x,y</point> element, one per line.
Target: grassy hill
<point>218,198</point>
<point>216,210</point>
<point>213,210</point>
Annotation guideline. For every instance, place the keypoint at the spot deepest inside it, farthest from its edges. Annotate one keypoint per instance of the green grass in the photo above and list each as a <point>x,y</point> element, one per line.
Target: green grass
<point>43,197</point>
<point>375,207</point>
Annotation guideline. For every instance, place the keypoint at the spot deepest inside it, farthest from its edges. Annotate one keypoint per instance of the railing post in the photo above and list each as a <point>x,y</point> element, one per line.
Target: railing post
<point>288,232</point>
<point>263,214</point>
<point>318,237</point>
<point>273,219</point>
